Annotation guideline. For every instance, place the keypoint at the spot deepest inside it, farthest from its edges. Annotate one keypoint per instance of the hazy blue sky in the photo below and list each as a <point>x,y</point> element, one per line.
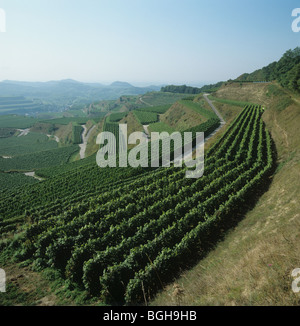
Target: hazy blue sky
<point>143,41</point>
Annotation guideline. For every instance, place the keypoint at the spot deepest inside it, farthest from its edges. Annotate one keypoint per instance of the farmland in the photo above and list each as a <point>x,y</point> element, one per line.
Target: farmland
<point>15,105</point>
<point>146,118</point>
<point>98,243</point>
<point>38,160</point>
<point>121,236</point>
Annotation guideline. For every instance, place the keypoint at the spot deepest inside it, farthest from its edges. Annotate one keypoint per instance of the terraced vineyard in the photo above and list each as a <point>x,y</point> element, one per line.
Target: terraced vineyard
<point>125,242</point>
<point>114,142</point>
<point>16,105</point>
<point>146,117</point>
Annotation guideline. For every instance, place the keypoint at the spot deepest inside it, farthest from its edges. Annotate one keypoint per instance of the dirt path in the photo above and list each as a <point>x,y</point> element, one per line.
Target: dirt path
<point>147,132</point>
<point>188,155</point>
<point>24,132</point>
<point>85,137</point>
<point>141,100</point>
<point>55,137</point>
<point>32,174</point>
<point>214,109</point>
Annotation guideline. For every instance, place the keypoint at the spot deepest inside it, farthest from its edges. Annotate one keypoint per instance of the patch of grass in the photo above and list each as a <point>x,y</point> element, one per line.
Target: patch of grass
<point>161,98</point>
<point>156,109</point>
<point>160,127</point>
<point>116,117</point>
<point>16,121</point>
<point>230,102</point>
<point>252,265</point>
<point>145,118</point>
<point>283,103</point>
<point>66,121</point>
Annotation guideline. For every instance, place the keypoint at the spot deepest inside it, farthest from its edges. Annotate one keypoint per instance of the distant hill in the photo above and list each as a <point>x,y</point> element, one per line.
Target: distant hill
<point>120,84</point>
<point>184,89</point>
<point>63,93</point>
<point>286,71</point>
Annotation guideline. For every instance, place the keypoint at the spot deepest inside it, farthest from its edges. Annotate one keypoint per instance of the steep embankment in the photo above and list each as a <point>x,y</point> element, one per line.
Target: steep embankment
<point>181,117</point>
<point>253,265</point>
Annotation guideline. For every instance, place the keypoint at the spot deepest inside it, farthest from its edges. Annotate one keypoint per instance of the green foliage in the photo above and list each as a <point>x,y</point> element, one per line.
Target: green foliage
<point>77,131</point>
<point>16,121</point>
<point>116,117</point>
<point>7,132</point>
<point>113,128</point>
<point>286,71</point>
<point>31,143</point>
<point>183,89</point>
<point>65,121</point>
<point>197,107</point>
<point>126,240</point>
<point>146,118</point>
<point>14,180</point>
<point>160,127</point>
<point>15,105</point>
<point>211,88</point>
<point>37,160</point>
<point>156,109</point>
<point>283,100</point>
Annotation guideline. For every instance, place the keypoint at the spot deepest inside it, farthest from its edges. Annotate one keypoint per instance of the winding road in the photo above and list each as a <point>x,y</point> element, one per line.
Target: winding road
<point>214,109</point>
<point>188,155</point>
<point>85,138</point>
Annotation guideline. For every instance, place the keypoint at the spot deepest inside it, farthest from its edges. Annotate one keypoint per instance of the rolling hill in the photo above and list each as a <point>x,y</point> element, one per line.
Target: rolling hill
<point>59,95</point>
<point>253,263</point>
<point>123,236</point>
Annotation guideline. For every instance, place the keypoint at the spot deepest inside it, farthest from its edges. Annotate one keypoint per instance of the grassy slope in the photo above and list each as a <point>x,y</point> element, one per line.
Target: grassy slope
<point>253,264</point>
<point>183,115</point>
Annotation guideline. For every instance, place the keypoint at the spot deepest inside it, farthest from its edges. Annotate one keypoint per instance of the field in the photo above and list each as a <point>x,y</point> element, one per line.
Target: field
<point>160,127</point>
<point>123,236</point>
<point>16,122</point>
<point>114,142</point>
<point>145,118</point>
<point>67,120</point>
<point>14,180</point>
<point>15,105</point>
<point>113,257</point>
<point>77,133</point>
<point>155,109</point>
<point>31,143</point>
<point>254,261</point>
<point>155,99</point>
<point>39,160</point>
<point>185,114</point>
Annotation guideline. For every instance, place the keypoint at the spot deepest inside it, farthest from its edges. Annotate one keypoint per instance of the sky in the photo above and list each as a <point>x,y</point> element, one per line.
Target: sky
<point>143,42</point>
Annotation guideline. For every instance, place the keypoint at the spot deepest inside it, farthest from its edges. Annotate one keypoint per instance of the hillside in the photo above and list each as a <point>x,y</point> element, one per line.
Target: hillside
<point>184,114</point>
<point>286,71</point>
<point>123,236</point>
<point>254,262</point>
<point>111,238</point>
<point>59,95</point>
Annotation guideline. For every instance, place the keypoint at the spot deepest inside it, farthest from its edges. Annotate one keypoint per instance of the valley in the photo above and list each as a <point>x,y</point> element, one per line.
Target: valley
<point>76,234</point>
